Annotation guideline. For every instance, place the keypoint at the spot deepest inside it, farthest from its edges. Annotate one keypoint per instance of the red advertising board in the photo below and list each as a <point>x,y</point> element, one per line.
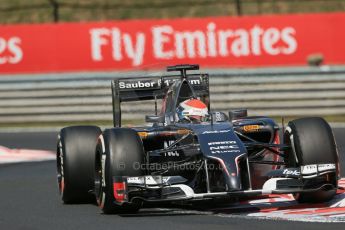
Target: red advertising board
<point>148,44</point>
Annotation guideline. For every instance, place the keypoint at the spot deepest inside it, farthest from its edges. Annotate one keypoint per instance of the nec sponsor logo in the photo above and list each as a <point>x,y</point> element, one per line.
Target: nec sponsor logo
<point>224,147</point>
<point>220,147</point>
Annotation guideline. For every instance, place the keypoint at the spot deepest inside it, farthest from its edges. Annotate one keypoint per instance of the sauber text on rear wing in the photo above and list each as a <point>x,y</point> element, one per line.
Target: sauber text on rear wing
<point>151,88</point>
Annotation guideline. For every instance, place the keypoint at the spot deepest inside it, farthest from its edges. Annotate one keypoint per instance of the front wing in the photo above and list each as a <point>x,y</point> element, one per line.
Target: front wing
<point>172,188</point>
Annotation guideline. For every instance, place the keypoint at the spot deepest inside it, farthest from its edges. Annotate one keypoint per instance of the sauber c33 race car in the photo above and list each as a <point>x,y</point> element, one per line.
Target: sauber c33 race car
<point>221,156</point>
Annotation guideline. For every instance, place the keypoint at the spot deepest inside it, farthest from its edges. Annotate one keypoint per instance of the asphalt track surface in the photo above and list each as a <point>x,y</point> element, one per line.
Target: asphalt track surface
<point>29,200</point>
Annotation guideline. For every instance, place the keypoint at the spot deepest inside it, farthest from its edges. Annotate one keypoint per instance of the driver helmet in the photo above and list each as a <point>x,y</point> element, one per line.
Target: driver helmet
<point>192,110</point>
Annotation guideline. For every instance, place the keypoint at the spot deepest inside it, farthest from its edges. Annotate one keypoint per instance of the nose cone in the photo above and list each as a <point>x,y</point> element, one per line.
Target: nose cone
<point>234,183</point>
<point>232,173</point>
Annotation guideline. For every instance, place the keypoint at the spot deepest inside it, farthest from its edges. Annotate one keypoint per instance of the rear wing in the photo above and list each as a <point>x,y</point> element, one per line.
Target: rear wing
<point>152,88</point>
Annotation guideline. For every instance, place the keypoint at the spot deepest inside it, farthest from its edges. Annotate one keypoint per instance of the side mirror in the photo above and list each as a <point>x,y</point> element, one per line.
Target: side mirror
<point>238,114</point>
<point>154,119</point>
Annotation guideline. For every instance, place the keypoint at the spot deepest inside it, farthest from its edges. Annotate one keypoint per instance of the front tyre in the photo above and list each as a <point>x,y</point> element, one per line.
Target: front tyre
<point>312,143</point>
<point>75,162</point>
<point>119,153</point>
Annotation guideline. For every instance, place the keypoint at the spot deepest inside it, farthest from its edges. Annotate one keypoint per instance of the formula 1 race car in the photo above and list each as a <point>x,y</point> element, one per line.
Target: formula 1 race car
<point>221,156</point>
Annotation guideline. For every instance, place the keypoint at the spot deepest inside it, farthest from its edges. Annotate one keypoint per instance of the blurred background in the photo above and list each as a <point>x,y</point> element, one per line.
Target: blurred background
<point>38,11</point>
<point>56,99</point>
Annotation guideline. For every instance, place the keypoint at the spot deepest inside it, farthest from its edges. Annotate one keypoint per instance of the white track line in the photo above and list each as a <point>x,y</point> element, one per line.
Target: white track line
<point>24,155</point>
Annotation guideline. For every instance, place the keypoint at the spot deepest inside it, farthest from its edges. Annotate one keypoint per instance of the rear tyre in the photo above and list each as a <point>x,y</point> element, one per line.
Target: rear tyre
<point>312,142</point>
<point>75,163</point>
<point>119,153</point>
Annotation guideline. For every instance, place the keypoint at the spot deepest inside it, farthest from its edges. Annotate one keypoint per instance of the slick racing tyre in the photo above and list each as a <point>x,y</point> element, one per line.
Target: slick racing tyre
<point>75,163</point>
<point>119,153</point>
<point>312,143</point>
